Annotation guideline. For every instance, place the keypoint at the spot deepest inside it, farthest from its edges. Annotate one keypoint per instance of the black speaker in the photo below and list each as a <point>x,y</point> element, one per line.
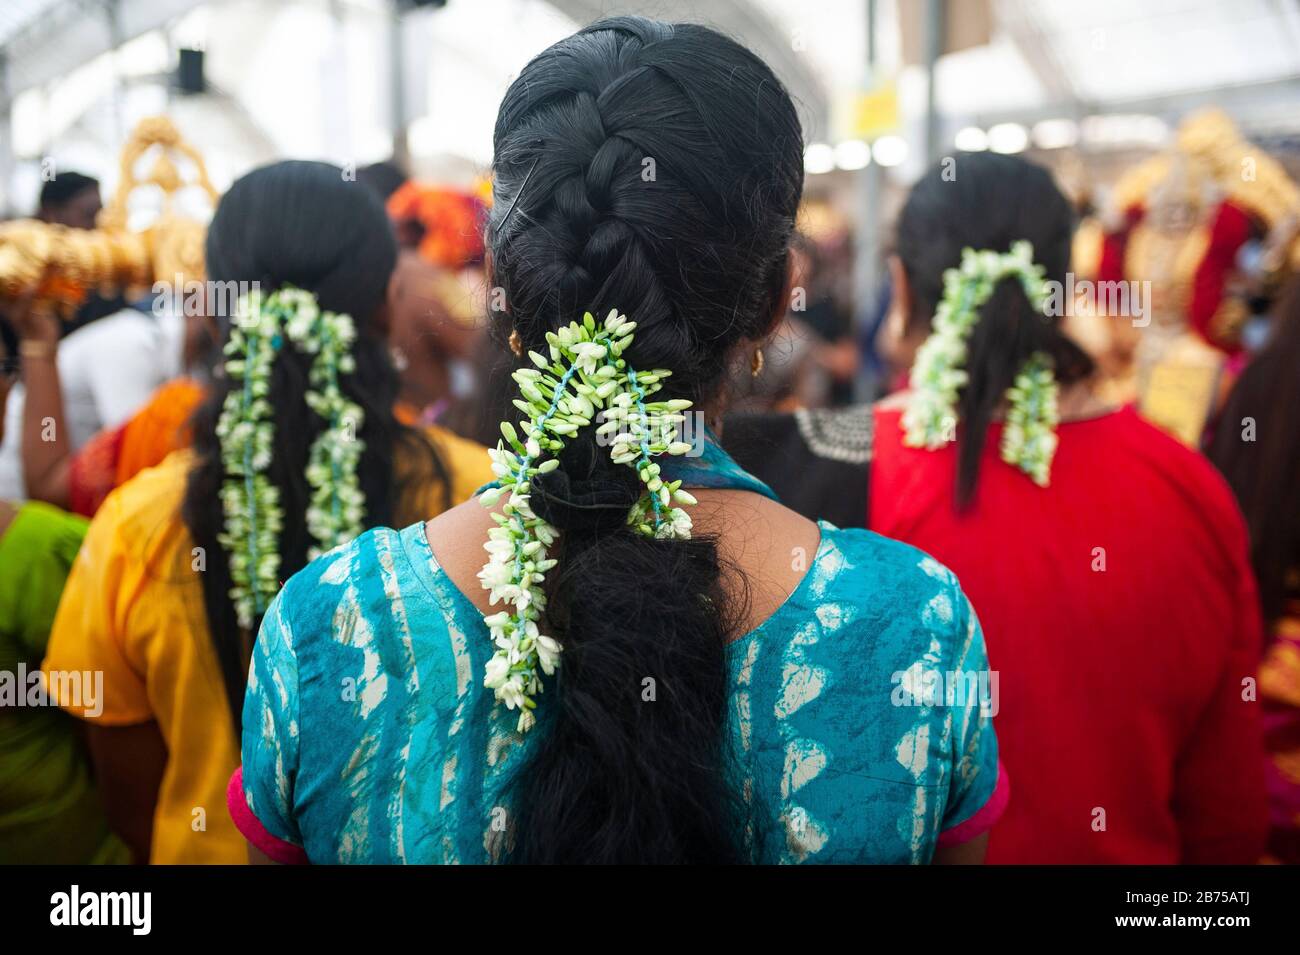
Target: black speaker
<point>189,72</point>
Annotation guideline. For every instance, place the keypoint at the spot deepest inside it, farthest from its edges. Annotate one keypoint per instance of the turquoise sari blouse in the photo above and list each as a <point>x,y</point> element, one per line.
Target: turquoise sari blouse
<point>370,738</point>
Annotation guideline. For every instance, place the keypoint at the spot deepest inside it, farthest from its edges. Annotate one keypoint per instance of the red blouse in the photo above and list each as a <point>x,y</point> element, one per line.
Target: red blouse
<point>1120,612</point>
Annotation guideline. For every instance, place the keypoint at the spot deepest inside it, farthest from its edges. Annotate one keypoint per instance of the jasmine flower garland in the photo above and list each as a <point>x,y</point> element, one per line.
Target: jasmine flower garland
<point>583,377</point>
<point>336,511</point>
<point>246,431</point>
<point>938,374</point>
<point>1029,436</point>
<point>250,501</point>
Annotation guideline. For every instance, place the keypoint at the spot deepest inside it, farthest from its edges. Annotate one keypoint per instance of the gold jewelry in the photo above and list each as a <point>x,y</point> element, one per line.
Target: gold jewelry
<point>516,344</point>
<point>756,363</point>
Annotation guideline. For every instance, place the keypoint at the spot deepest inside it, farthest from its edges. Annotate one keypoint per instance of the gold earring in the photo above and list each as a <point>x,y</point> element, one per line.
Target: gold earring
<point>516,344</point>
<point>756,363</point>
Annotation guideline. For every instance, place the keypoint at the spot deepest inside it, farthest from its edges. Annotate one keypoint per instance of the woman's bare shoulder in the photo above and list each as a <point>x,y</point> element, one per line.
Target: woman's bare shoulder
<point>762,539</point>
<point>456,537</point>
<point>758,536</point>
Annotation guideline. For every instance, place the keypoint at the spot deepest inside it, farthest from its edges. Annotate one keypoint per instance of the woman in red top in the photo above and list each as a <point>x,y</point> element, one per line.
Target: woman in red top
<point>1107,563</point>
<point>1118,600</point>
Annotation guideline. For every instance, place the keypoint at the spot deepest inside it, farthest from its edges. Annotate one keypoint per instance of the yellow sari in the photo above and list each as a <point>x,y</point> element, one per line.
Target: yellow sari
<point>133,608</point>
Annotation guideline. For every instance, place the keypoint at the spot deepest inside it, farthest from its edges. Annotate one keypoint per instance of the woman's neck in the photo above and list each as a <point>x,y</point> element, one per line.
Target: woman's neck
<point>1079,402</point>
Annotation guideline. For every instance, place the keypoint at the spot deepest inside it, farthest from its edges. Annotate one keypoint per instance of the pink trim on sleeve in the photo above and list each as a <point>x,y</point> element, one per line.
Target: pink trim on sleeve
<point>984,817</point>
<point>275,848</point>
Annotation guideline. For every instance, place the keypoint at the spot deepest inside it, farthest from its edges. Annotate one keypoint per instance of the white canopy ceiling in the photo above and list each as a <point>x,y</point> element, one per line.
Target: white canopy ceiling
<point>18,15</point>
<point>1044,52</point>
<point>312,77</point>
<point>1048,57</point>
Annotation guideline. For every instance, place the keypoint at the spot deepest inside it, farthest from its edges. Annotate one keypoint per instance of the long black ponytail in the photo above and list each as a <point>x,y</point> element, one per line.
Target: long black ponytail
<point>303,224</point>
<point>990,202</point>
<point>656,169</point>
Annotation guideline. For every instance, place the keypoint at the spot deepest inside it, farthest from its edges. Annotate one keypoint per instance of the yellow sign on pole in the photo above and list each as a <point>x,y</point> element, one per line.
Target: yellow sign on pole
<point>874,112</point>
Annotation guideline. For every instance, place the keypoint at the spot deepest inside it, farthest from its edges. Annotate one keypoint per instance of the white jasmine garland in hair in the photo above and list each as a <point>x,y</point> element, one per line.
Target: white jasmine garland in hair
<point>1029,436</point>
<point>583,377</point>
<point>246,431</point>
<point>336,512</point>
<point>938,374</point>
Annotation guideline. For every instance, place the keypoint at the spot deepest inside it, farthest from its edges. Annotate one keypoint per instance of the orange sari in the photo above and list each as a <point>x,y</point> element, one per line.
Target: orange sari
<point>162,426</point>
<point>115,455</point>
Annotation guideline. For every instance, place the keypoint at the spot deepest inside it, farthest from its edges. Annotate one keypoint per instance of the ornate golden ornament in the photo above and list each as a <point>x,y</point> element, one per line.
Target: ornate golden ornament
<point>60,266</point>
<point>1211,163</point>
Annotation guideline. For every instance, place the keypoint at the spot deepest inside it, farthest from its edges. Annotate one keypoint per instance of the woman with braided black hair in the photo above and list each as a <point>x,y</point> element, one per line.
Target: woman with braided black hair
<point>295,448</point>
<point>640,672</point>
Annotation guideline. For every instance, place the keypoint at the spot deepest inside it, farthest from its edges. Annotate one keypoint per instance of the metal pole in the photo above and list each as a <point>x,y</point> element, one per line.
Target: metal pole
<point>934,33</point>
<point>397,88</point>
<point>870,185</point>
<point>113,13</point>
<point>6,140</point>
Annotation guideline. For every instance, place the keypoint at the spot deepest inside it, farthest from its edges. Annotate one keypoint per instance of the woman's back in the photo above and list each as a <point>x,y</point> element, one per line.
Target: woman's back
<point>372,738</point>
<point>1119,609</point>
<point>603,710</point>
<point>133,610</point>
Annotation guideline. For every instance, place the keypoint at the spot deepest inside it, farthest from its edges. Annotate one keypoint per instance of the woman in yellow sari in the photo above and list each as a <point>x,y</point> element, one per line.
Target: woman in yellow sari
<point>181,560</point>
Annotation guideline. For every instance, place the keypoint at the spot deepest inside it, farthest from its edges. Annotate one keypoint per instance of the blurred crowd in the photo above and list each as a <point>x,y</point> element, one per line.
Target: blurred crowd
<point>1136,574</point>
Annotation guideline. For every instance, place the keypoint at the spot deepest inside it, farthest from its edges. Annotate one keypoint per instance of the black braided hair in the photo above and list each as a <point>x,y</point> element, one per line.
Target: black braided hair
<point>657,169</point>
<point>302,224</point>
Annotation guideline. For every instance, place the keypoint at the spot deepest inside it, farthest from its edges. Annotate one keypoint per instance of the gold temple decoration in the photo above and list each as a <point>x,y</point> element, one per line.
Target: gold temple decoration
<point>59,266</point>
<point>1181,189</point>
<point>1176,378</point>
<point>1248,176</point>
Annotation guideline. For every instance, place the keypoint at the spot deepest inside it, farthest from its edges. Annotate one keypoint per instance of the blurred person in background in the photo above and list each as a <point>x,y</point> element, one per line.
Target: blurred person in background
<point>72,199</point>
<point>477,415</point>
<point>101,374</point>
<point>833,349</point>
<point>385,178</point>
<point>1257,447</point>
<point>174,363</point>
<point>421,300</point>
<point>737,760</point>
<point>50,811</point>
<point>1108,563</point>
<point>436,299</point>
<point>1208,227</point>
<point>295,448</point>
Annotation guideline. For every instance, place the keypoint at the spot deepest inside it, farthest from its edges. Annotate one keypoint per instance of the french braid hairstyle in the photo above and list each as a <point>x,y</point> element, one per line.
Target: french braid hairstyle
<point>655,169</point>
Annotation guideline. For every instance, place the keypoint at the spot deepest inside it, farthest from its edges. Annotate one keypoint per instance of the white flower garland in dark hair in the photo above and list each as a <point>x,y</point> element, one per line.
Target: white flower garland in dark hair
<point>246,430</point>
<point>930,418</point>
<point>584,376</point>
